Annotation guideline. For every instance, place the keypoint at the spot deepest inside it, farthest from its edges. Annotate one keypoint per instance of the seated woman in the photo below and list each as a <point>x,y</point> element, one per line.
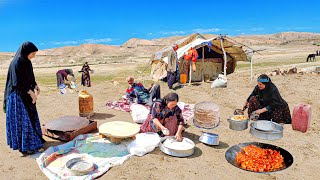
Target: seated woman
<point>165,117</point>
<point>266,101</point>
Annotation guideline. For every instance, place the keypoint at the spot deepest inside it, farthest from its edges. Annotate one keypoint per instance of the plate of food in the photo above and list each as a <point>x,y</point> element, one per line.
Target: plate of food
<point>239,117</point>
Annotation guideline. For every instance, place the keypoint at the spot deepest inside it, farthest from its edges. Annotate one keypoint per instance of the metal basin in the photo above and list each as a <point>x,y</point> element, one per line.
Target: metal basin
<point>177,152</point>
<point>209,138</point>
<point>231,154</point>
<point>267,130</point>
<point>79,166</point>
<point>238,125</point>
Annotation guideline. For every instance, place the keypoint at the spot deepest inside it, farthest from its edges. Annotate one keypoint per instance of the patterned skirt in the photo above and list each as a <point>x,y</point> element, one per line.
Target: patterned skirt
<point>85,79</point>
<point>279,114</point>
<point>170,123</point>
<point>22,135</point>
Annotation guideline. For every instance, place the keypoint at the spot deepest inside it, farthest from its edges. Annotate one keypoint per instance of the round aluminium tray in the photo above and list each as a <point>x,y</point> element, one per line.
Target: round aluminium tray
<point>79,166</point>
<point>231,154</point>
<point>267,130</point>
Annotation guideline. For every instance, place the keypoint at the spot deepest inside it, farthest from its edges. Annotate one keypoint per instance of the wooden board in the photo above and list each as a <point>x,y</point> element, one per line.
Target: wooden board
<point>119,129</point>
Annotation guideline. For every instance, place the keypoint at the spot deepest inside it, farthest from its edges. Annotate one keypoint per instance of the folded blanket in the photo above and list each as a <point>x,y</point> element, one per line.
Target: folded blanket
<point>122,105</point>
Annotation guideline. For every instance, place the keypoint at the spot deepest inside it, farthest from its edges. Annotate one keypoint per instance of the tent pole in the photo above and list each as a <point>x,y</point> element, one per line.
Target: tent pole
<point>202,63</point>
<point>224,57</point>
<point>251,73</point>
<point>190,71</point>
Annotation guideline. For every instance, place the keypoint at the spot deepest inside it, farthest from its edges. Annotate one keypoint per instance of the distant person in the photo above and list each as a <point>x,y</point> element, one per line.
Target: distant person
<point>172,68</point>
<point>137,93</point>
<point>63,75</point>
<point>165,118</point>
<point>266,101</point>
<point>22,122</point>
<point>85,78</point>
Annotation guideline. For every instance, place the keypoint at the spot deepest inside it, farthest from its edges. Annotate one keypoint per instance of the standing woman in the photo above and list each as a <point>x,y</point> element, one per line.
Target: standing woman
<point>85,78</point>
<point>22,121</point>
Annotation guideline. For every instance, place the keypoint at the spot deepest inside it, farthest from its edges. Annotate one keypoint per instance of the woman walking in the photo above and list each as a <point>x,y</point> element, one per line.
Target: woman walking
<point>22,122</point>
<point>85,78</point>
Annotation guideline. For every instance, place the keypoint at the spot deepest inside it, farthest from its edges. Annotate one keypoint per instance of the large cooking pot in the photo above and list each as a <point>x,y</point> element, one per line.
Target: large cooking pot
<point>265,129</point>
<point>175,151</point>
<point>238,125</point>
<point>231,154</point>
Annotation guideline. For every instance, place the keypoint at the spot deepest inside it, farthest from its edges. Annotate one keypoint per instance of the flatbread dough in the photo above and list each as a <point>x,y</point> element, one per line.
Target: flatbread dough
<point>119,129</point>
<point>171,143</point>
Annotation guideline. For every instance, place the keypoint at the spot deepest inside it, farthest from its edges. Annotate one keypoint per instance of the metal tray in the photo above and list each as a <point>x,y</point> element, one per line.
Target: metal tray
<point>79,165</point>
<point>267,130</point>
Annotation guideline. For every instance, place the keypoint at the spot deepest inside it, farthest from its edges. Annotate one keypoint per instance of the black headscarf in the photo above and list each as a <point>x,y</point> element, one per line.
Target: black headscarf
<point>20,73</point>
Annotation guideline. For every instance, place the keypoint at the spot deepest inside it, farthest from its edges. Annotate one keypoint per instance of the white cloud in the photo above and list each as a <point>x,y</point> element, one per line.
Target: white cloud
<point>64,42</point>
<point>94,41</point>
<point>257,29</point>
<point>203,31</point>
<point>172,32</point>
<point>3,1</point>
<point>302,28</point>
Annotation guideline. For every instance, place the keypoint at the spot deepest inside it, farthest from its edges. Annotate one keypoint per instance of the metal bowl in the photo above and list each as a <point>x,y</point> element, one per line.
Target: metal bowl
<point>268,130</point>
<point>176,152</point>
<point>238,125</point>
<point>79,166</point>
<point>231,154</point>
<point>209,138</point>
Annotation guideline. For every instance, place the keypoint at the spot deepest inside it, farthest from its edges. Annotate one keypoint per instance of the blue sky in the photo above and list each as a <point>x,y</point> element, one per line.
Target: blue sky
<point>56,23</point>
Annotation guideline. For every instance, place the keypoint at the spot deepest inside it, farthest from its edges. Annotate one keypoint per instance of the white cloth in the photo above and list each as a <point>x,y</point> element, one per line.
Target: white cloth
<point>139,113</point>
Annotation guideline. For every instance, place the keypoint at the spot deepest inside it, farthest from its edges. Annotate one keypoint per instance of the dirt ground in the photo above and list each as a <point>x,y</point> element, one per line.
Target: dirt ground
<point>208,162</point>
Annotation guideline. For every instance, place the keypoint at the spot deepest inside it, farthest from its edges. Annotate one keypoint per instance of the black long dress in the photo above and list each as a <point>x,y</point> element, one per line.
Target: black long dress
<point>269,98</point>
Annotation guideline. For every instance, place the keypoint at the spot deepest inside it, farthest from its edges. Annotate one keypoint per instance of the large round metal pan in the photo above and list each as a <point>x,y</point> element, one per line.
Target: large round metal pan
<point>266,130</point>
<point>176,152</point>
<point>231,154</point>
<point>67,123</point>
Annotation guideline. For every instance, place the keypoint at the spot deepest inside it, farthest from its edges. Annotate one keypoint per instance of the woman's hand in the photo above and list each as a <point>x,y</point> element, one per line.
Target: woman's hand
<point>178,136</point>
<point>165,131</point>
<point>38,90</point>
<point>33,96</point>
<point>245,106</point>
<point>260,111</point>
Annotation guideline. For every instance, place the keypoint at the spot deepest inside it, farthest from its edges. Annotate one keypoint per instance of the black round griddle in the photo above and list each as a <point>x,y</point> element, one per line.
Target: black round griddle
<point>232,153</point>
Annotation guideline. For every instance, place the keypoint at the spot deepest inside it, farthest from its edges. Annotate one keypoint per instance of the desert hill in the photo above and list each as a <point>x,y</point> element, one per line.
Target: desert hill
<point>140,50</point>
